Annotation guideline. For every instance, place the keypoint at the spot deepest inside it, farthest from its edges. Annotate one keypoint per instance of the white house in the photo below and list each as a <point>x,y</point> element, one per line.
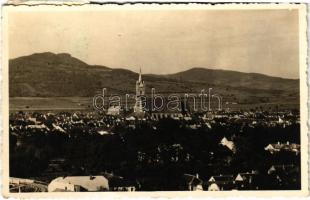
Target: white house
<point>58,128</point>
<point>79,183</point>
<point>114,110</point>
<point>41,126</point>
<point>221,182</point>
<point>277,147</point>
<point>213,187</point>
<point>229,144</point>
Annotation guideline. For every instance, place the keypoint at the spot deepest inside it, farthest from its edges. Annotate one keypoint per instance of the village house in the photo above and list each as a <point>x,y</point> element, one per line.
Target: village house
<point>121,184</point>
<point>284,174</point>
<point>193,182</point>
<point>79,184</point>
<point>229,144</point>
<point>289,147</point>
<point>221,182</point>
<point>244,181</point>
<point>280,169</point>
<point>114,110</point>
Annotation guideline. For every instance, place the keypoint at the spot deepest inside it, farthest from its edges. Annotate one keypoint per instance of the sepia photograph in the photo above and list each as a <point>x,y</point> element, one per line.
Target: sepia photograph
<point>153,98</point>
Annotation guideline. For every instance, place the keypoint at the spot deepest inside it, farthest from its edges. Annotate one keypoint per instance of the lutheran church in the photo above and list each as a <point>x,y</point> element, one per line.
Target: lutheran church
<point>140,100</point>
<point>140,93</point>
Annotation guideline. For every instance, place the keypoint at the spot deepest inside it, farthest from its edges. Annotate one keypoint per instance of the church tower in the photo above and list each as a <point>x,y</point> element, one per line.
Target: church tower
<point>140,92</point>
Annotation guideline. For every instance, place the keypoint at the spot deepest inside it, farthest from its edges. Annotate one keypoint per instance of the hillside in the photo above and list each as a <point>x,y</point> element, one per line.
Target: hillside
<point>61,75</point>
<point>235,79</point>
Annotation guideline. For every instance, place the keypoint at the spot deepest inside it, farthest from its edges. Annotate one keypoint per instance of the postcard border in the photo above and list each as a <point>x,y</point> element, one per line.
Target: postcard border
<point>303,100</point>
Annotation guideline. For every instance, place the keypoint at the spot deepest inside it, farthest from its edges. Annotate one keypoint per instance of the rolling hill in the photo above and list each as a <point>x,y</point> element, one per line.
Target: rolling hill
<point>61,75</point>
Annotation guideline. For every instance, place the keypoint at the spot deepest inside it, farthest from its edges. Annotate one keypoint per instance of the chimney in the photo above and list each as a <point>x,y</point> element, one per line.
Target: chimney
<point>278,143</point>
<point>197,175</point>
<point>288,143</point>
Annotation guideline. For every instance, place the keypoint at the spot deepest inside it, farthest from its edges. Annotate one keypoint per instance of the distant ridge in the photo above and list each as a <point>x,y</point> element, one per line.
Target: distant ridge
<point>61,75</point>
<point>232,71</point>
<point>234,78</point>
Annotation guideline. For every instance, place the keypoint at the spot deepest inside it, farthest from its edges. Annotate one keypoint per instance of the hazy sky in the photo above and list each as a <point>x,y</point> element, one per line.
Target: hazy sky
<point>164,41</point>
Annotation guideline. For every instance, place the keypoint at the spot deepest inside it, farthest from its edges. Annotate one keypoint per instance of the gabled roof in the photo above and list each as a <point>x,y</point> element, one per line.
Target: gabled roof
<point>222,178</point>
<point>192,180</point>
<point>283,146</point>
<point>244,176</point>
<point>120,182</point>
<point>90,183</point>
<point>282,167</point>
<point>228,143</point>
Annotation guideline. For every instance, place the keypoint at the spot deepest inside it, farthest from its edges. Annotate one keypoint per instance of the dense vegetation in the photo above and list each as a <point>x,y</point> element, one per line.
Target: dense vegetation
<point>156,157</point>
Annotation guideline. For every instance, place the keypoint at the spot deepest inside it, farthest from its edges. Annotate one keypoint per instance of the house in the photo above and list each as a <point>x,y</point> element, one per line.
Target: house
<point>33,119</point>
<point>288,147</point>
<point>38,126</point>
<point>26,185</point>
<point>285,175</point>
<point>193,182</point>
<point>229,144</point>
<point>114,110</point>
<point>131,118</point>
<point>120,184</point>
<point>282,169</point>
<point>186,118</point>
<point>79,184</point>
<point>245,180</point>
<point>221,182</point>
<point>272,148</point>
<point>104,132</point>
<point>58,128</point>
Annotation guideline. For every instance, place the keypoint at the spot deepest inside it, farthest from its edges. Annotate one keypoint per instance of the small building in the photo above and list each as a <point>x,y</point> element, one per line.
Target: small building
<point>105,132</point>
<point>287,176</point>
<point>245,180</point>
<point>193,182</point>
<point>272,148</point>
<point>221,182</point>
<point>79,184</point>
<point>283,169</point>
<point>114,110</point>
<point>288,147</point>
<point>131,118</point>
<point>38,126</point>
<point>121,184</point>
<point>229,144</point>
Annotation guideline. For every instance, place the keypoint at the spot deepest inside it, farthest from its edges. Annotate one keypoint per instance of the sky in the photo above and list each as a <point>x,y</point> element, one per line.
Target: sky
<point>165,41</point>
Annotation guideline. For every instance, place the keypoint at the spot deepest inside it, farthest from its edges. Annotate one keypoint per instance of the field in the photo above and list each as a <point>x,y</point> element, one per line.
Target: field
<point>49,103</point>
<point>85,103</point>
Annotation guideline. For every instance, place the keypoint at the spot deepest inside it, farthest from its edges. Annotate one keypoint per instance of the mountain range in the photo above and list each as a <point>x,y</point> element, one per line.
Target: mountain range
<point>61,75</point>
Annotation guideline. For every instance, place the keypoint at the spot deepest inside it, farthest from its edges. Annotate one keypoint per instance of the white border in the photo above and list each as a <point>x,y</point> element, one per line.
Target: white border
<point>303,100</point>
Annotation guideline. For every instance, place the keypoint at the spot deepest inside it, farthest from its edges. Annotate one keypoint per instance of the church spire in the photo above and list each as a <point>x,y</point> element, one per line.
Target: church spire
<point>140,91</point>
<point>140,76</point>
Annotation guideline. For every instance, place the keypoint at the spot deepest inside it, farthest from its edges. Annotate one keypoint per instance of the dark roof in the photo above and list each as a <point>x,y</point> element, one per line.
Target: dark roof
<point>192,180</point>
<point>120,182</point>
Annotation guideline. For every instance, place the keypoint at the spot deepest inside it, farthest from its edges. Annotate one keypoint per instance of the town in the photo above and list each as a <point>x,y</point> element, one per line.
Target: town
<point>110,150</point>
<point>217,151</point>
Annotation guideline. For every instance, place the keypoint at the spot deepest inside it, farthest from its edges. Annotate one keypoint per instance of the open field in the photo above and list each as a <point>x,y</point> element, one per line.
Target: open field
<point>49,103</point>
<point>85,103</point>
